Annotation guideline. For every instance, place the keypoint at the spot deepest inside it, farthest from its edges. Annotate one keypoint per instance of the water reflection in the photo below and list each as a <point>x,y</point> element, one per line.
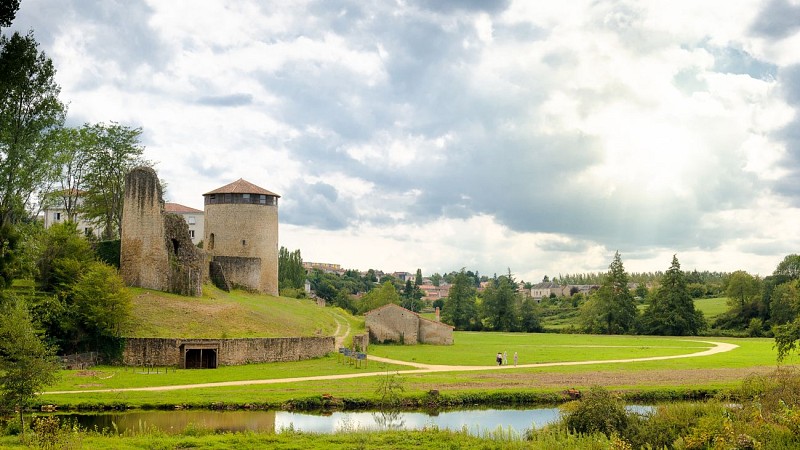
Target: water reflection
<point>474,421</point>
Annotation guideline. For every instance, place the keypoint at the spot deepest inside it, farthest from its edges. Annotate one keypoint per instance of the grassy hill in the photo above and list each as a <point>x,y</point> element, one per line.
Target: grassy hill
<point>236,314</point>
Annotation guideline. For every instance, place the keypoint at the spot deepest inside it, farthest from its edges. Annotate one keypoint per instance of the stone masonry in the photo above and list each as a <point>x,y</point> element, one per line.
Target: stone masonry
<point>156,250</point>
<point>393,323</point>
<point>170,352</point>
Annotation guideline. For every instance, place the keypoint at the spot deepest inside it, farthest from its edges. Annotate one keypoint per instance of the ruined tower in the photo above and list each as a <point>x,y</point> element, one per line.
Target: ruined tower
<point>241,235</point>
<point>156,250</point>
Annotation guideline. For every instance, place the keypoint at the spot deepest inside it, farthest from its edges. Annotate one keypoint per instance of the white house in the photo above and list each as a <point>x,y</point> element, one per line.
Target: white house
<point>56,213</point>
<point>193,218</point>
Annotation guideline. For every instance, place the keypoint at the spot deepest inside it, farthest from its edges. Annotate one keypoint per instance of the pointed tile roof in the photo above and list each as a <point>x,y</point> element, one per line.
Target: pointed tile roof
<point>241,186</point>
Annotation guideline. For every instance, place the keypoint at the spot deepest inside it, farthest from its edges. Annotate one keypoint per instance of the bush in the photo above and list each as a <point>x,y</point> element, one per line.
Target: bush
<point>598,412</point>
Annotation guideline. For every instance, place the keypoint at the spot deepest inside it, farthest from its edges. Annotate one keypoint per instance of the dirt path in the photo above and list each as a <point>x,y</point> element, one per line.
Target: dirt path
<point>338,335</point>
<point>718,347</point>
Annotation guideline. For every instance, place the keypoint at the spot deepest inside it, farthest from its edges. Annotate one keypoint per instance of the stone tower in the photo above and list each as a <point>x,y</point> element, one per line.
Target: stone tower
<point>241,236</point>
<point>156,251</point>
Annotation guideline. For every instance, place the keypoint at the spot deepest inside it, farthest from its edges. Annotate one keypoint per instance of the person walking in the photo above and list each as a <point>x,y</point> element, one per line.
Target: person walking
<point>505,358</point>
<point>515,359</point>
<point>499,359</point>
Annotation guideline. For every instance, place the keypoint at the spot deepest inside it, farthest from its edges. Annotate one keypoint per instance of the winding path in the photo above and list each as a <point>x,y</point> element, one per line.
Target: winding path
<point>718,347</point>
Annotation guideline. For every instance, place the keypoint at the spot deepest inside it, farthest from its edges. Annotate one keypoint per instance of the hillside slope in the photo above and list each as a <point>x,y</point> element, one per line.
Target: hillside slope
<point>237,314</point>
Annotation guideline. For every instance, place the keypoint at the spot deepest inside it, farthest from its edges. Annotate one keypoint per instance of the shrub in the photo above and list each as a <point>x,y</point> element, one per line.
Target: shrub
<point>598,412</point>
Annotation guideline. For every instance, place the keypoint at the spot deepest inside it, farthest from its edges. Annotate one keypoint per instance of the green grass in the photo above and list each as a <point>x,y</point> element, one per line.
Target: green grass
<point>238,314</point>
<point>470,348</point>
<point>480,348</point>
<point>711,307</point>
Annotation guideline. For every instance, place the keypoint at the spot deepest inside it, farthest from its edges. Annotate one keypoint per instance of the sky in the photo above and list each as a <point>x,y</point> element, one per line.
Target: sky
<point>535,137</point>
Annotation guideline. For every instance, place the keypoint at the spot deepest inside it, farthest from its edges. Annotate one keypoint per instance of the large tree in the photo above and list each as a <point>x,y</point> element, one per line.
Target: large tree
<point>459,309</point>
<point>26,364</point>
<point>30,113</point>
<point>113,152</point>
<point>671,311</point>
<point>611,309</point>
<point>500,305</point>
<point>291,274</point>
<point>790,267</point>
<point>73,146</point>
<point>8,10</point>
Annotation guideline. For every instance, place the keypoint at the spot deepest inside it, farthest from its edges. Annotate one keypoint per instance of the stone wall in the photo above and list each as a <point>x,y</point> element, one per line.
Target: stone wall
<point>168,351</point>
<point>245,231</point>
<point>240,272</point>
<point>437,333</point>
<point>156,251</point>
<point>391,323</point>
<point>394,323</point>
<point>144,259</point>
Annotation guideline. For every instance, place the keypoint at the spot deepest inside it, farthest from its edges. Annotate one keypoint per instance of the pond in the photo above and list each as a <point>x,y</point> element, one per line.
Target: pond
<point>475,421</point>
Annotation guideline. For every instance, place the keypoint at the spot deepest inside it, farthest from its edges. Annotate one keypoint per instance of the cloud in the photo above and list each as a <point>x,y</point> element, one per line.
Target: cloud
<point>777,20</point>
<point>226,100</point>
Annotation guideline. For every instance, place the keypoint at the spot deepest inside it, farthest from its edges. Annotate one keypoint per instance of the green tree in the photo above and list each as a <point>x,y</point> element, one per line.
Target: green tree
<point>418,278</point>
<point>30,113</point>
<point>500,305</point>
<point>291,274</point>
<point>114,151</point>
<point>8,10</point>
<point>72,146</point>
<point>459,308</point>
<point>27,365</point>
<point>671,311</point>
<point>9,246</point>
<point>790,266</point>
<point>611,309</point>
<point>378,297</point>
<point>412,297</point>
<point>529,316</point>
<point>102,301</point>
<point>784,303</point>
<point>436,279</point>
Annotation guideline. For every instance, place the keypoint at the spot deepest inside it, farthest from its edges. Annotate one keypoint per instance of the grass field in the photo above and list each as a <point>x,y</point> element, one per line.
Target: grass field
<point>753,355</point>
<point>220,314</point>
<point>711,307</point>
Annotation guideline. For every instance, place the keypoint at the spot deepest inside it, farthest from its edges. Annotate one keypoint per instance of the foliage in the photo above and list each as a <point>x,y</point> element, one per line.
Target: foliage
<point>597,412</point>
<point>64,255</point>
<point>790,267</point>
<point>378,297</point>
<point>611,309</point>
<point>9,246</point>
<point>113,151</point>
<point>109,252</point>
<point>671,311</point>
<point>101,300</point>
<point>411,298</point>
<point>8,10</point>
<point>529,316</point>
<point>30,112</point>
<point>499,309</point>
<point>459,308</point>
<point>27,365</point>
<point>291,274</point>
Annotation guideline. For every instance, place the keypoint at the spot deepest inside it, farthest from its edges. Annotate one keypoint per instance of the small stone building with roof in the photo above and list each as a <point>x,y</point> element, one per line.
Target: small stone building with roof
<point>241,236</point>
<point>393,323</point>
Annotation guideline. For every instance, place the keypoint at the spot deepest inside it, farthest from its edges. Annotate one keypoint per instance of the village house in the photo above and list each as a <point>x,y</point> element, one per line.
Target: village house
<point>193,217</point>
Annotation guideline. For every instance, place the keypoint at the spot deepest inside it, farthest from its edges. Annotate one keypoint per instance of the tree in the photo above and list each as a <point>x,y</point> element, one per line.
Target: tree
<point>291,274</point>
<point>790,266</point>
<point>500,304</point>
<point>102,301</point>
<point>72,146</point>
<point>412,297</point>
<point>418,278</point>
<point>784,303</point>
<point>671,311</point>
<point>378,297</point>
<point>8,10</point>
<point>30,113</point>
<point>436,278</point>
<point>529,317</point>
<point>611,309</point>
<point>114,151</point>
<point>27,365</point>
<point>9,246</point>
<point>459,308</point>
<point>744,300</point>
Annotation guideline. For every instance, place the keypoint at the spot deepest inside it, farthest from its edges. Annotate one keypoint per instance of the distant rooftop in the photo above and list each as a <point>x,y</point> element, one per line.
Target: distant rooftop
<point>178,208</point>
<point>241,186</point>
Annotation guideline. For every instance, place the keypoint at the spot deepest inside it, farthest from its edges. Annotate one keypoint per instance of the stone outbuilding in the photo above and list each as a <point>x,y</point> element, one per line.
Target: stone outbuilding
<point>393,323</point>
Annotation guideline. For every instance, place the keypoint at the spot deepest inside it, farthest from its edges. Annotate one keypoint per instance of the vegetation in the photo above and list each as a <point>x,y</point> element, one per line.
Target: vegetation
<point>27,365</point>
<point>611,310</point>
<point>291,274</point>
<point>671,311</point>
